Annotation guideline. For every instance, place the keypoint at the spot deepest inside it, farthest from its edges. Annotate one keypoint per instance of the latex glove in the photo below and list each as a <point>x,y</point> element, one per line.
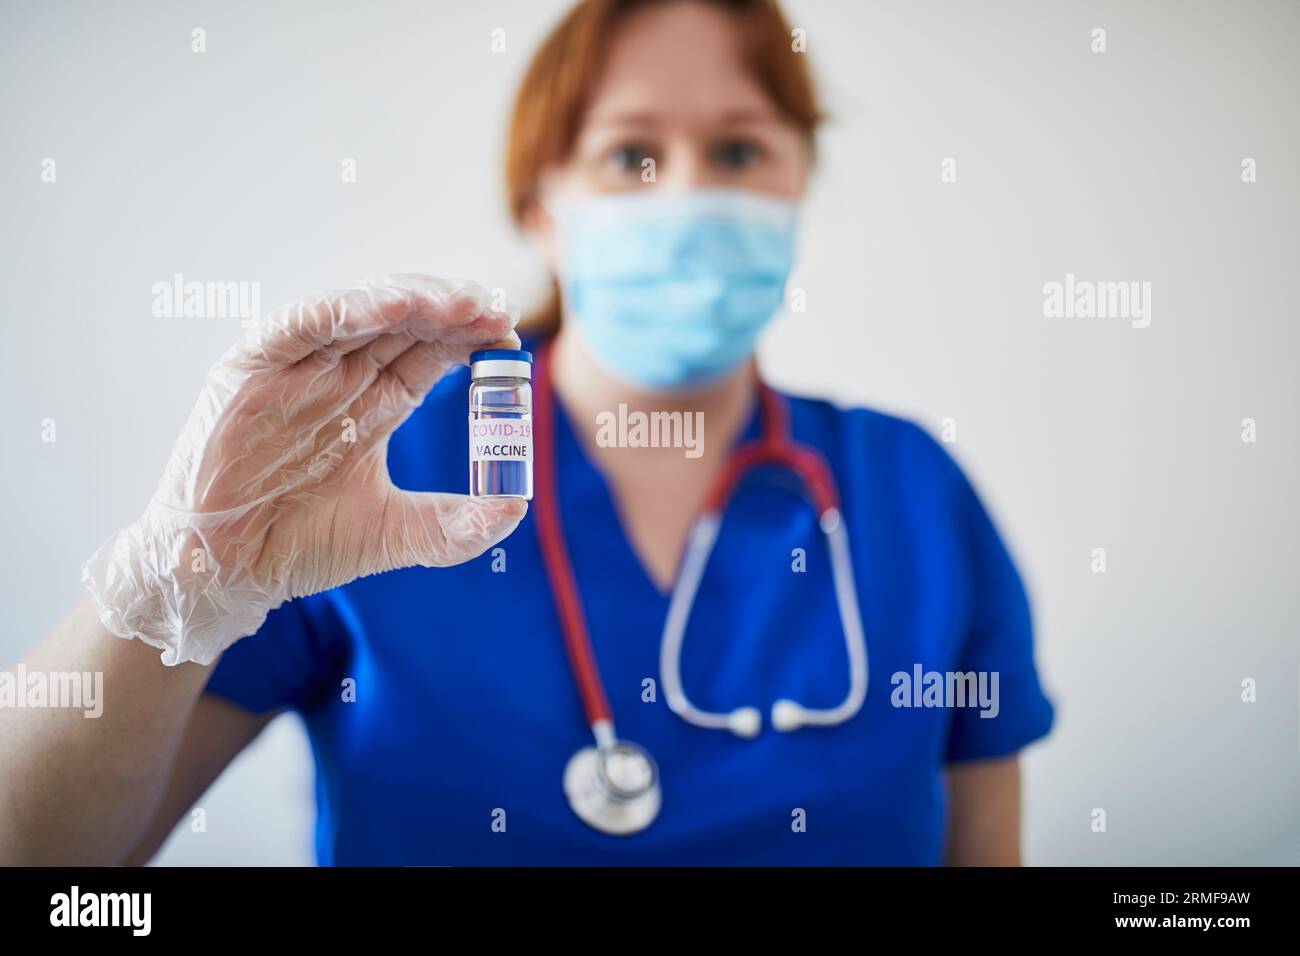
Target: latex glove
<point>278,486</point>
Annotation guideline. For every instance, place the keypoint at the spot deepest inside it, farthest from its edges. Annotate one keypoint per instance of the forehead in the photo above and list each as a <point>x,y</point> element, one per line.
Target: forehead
<point>677,62</point>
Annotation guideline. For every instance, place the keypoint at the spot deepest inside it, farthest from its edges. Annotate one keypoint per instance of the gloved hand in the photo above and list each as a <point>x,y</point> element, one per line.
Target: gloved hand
<point>278,486</point>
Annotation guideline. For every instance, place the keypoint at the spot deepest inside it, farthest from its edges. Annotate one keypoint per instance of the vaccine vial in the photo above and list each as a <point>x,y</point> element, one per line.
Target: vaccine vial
<point>501,424</point>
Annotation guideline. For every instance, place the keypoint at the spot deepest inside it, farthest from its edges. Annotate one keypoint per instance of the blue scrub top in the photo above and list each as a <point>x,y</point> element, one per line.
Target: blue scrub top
<point>465,710</point>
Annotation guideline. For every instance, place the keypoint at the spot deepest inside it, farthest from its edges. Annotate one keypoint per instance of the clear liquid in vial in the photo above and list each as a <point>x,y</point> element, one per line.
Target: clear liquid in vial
<point>501,444</point>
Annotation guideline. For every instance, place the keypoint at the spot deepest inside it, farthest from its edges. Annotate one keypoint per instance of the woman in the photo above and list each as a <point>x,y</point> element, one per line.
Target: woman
<point>657,152</point>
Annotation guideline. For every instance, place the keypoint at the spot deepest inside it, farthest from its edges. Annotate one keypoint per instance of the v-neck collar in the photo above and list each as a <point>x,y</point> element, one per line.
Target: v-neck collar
<point>583,492</point>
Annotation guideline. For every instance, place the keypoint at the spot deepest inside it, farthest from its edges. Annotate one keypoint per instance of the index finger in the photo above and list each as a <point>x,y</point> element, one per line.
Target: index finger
<point>428,311</point>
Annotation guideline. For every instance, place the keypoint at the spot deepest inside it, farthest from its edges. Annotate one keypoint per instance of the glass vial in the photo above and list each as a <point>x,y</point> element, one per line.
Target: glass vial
<point>501,424</point>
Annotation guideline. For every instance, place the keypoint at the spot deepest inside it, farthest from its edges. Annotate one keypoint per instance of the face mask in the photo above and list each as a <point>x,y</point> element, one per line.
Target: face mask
<point>670,291</point>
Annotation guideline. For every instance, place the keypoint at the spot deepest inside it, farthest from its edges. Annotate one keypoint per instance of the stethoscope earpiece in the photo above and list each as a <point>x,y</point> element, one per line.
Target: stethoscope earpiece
<point>787,715</point>
<point>745,722</point>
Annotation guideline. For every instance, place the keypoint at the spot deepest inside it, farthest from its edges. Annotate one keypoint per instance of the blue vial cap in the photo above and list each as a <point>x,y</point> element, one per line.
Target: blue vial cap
<point>501,355</point>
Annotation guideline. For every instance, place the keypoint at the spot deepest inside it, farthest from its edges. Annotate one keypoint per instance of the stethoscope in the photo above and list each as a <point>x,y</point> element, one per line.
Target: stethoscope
<point>614,785</point>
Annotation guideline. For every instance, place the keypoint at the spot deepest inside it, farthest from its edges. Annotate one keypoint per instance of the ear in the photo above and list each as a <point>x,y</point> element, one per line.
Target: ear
<point>539,227</point>
<point>536,220</point>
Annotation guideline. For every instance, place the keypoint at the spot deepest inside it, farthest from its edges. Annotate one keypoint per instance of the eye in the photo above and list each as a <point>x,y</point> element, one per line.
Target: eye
<point>737,153</point>
<point>628,158</point>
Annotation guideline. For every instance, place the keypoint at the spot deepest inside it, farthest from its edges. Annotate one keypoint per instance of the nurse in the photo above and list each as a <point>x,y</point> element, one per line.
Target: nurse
<point>305,550</point>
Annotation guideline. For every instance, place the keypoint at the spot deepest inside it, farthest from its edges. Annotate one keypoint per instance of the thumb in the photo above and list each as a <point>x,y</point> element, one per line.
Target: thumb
<point>434,530</point>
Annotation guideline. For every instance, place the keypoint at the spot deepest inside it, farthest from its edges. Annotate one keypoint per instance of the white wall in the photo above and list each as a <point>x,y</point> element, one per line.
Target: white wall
<point>923,297</point>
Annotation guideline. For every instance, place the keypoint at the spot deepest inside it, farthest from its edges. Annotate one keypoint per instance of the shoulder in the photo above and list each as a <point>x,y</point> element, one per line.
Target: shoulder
<point>903,491</point>
<point>898,484</point>
<point>889,448</point>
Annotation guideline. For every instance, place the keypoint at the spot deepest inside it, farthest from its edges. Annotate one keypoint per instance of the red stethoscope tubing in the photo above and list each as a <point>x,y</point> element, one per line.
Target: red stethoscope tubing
<point>555,551</point>
<point>775,446</point>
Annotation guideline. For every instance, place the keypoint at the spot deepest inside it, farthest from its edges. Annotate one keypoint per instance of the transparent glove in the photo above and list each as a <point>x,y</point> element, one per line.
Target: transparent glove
<point>278,485</point>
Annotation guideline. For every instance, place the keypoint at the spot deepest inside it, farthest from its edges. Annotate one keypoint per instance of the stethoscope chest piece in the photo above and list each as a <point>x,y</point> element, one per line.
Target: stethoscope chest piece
<point>614,789</point>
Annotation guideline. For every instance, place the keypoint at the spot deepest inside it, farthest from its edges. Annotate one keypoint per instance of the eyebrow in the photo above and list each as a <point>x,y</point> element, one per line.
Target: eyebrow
<point>738,117</point>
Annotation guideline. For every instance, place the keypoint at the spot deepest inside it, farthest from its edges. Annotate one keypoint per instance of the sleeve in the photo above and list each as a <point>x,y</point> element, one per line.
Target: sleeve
<point>998,642</point>
<point>292,661</point>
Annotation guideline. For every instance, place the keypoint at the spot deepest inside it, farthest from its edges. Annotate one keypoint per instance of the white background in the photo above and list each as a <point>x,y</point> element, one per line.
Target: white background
<point>924,298</point>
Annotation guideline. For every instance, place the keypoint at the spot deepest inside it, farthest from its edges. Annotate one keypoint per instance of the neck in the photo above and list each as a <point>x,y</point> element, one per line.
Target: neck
<point>586,391</point>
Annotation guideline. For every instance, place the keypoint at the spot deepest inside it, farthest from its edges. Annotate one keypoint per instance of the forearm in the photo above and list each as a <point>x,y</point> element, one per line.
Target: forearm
<point>82,790</point>
<point>984,813</point>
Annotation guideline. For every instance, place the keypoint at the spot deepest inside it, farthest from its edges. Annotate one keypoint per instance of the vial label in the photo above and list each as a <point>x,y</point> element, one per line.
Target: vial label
<point>500,439</point>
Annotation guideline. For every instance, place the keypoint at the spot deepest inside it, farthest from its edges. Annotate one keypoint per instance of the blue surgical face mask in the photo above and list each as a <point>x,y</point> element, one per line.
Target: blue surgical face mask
<point>671,290</point>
